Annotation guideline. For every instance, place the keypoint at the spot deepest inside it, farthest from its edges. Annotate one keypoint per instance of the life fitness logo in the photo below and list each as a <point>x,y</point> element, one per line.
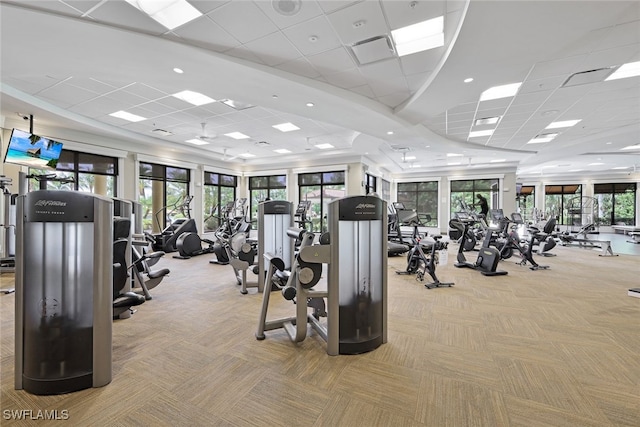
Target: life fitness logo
<point>50,203</point>
<point>361,209</point>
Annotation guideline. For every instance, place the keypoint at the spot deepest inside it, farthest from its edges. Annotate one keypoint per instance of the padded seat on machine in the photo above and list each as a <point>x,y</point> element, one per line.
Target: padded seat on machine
<point>122,300</point>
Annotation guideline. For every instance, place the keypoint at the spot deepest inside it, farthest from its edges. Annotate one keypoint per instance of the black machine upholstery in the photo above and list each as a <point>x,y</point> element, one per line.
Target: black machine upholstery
<point>122,300</point>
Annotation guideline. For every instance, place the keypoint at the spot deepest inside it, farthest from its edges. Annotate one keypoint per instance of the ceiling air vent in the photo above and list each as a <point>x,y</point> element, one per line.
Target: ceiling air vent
<point>162,132</point>
<point>586,77</point>
<point>373,50</point>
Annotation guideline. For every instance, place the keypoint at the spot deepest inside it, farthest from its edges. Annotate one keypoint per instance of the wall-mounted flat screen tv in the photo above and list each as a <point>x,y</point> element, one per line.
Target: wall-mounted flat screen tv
<point>31,150</point>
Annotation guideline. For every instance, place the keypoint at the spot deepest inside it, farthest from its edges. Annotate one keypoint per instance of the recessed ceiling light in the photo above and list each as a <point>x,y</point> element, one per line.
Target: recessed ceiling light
<point>596,164</point>
<point>453,155</point>
<point>576,170</point>
<point>479,133</point>
<point>416,166</point>
<point>549,113</point>
<point>498,160</point>
<point>410,158</point>
<point>390,132</point>
<point>453,164</point>
<point>178,70</point>
<point>609,143</point>
<point>286,127</point>
<point>468,80</point>
<point>487,121</point>
<point>498,92</point>
<point>274,96</point>
<point>418,37</point>
<point>632,147</point>
<point>282,151</point>
<point>170,14</point>
<point>630,69</point>
<point>621,167</point>
<point>324,146</point>
<point>563,124</point>
<point>310,104</point>
<point>127,116</point>
<point>197,141</point>
<point>246,155</point>
<point>313,39</point>
<point>193,98</point>
<point>237,135</point>
<point>427,146</point>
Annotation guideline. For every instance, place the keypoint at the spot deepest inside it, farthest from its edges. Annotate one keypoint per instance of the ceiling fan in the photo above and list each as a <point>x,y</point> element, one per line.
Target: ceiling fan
<point>203,135</point>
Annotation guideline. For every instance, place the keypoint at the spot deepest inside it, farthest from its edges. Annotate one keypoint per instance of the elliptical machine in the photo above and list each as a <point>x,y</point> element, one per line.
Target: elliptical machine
<point>488,257</point>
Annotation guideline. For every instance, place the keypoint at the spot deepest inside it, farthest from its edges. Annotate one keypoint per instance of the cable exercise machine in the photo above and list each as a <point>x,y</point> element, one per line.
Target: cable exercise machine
<point>356,288</point>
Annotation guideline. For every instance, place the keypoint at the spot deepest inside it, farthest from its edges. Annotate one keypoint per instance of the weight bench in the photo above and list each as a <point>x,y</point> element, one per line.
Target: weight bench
<point>635,237</point>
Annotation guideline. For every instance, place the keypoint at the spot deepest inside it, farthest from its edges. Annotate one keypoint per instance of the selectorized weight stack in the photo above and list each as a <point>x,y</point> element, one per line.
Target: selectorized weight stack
<point>64,280</point>
<point>274,218</point>
<point>356,288</point>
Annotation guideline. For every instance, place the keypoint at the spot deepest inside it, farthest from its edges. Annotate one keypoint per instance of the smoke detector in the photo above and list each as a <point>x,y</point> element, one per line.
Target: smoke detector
<point>286,7</point>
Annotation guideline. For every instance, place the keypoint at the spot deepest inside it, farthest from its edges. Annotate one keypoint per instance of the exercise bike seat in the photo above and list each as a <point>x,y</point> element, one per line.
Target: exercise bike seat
<point>128,299</point>
<point>155,274</point>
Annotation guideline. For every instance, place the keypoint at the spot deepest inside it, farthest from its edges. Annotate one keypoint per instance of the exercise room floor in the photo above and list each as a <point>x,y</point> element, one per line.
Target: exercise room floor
<point>557,347</point>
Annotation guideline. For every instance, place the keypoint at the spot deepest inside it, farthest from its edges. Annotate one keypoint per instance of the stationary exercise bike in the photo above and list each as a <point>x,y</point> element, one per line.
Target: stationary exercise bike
<point>419,262</point>
<point>488,257</point>
<point>525,250</point>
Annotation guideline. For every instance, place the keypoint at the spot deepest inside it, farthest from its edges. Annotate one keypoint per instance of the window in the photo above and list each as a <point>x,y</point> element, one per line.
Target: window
<point>560,202</point>
<point>163,191</point>
<point>385,191</point>
<point>616,203</point>
<point>262,187</point>
<point>321,189</point>
<point>90,172</point>
<point>525,201</point>
<point>464,192</point>
<point>219,189</point>
<point>421,196</point>
<point>370,185</point>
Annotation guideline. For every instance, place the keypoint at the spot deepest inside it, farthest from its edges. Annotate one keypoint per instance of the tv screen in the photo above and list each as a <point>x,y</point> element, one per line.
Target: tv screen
<point>31,150</point>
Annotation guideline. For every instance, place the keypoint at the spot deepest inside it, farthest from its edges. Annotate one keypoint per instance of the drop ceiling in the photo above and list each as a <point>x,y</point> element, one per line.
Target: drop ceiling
<point>72,63</point>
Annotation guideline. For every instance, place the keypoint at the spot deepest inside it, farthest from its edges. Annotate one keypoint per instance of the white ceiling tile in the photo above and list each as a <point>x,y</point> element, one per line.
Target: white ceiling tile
<point>331,5</point>
<point>216,108</point>
<point>55,6</point>
<point>273,49</point>
<point>144,91</point>
<point>332,61</point>
<point>611,57</point>
<point>368,12</point>
<point>243,20</point>
<point>97,107</point>
<point>346,79</point>
<point>206,6</point>
<point>300,67</point>
<point>325,37</point>
<point>244,53</point>
<point>389,86</point>
<point>421,62</point>
<point>403,13</point>
<point>364,90</point>
<point>67,94</point>
<point>394,99</point>
<point>82,5</point>
<point>92,85</point>
<point>126,99</point>
<point>122,14</point>
<point>545,85</point>
<point>205,33</point>
<point>308,10</point>
<point>31,84</point>
<point>415,81</point>
<point>557,67</point>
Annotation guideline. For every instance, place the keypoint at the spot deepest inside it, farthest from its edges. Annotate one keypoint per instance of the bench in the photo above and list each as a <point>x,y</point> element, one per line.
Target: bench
<point>605,245</point>
<point>626,229</point>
